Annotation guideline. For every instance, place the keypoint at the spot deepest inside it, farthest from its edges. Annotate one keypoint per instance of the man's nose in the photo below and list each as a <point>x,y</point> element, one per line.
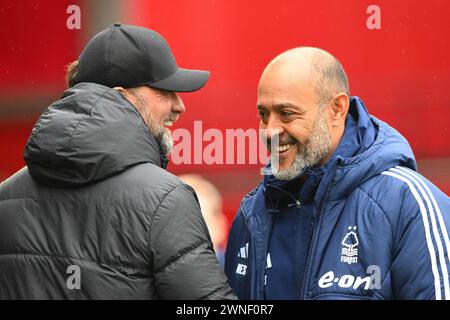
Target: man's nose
<point>177,104</point>
<point>273,128</point>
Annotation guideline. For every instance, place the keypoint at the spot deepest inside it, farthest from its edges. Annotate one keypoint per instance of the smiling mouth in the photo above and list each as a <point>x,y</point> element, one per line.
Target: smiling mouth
<point>283,147</point>
<point>168,123</point>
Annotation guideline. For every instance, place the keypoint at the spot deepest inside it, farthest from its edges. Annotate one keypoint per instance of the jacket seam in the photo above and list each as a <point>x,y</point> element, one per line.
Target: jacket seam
<point>348,295</point>
<point>379,142</point>
<point>84,201</point>
<point>376,203</point>
<point>183,253</point>
<point>212,293</point>
<point>109,264</point>
<point>99,203</point>
<point>153,217</point>
<point>247,198</point>
<point>75,127</point>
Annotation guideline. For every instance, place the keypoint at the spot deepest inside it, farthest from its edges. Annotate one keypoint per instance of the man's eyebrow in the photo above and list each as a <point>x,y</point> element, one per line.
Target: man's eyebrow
<point>286,105</point>
<point>280,106</point>
<point>260,107</point>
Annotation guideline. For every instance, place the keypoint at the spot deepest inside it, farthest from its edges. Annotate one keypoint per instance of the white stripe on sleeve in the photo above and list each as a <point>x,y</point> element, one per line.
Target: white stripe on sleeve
<point>404,172</point>
<point>431,251</point>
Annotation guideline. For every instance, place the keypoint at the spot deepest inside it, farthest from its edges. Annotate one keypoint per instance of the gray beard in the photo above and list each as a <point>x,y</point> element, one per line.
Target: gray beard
<point>163,137</point>
<point>165,141</point>
<point>315,149</point>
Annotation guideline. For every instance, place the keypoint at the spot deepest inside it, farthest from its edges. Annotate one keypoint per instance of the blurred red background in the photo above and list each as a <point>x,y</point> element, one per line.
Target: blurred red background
<point>402,71</point>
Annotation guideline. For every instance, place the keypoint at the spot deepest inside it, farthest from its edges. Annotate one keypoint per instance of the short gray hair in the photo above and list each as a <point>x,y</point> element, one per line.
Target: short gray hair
<point>331,77</point>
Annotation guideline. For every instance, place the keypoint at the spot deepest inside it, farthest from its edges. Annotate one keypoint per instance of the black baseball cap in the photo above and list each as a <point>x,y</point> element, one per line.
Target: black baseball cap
<point>131,56</point>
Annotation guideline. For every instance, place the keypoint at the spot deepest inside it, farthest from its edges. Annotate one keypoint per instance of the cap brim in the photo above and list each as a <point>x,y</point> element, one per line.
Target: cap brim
<point>183,80</point>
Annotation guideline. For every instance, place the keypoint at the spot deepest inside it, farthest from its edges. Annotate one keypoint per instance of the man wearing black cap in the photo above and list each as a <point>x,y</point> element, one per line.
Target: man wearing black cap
<point>94,214</point>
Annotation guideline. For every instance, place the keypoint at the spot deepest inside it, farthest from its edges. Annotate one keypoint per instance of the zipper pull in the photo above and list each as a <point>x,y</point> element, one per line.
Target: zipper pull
<point>297,204</point>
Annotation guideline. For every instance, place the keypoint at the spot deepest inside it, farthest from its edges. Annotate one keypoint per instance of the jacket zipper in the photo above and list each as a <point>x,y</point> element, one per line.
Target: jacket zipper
<point>258,289</point>
<point>252,250</point>
<point>266,247</point>
<point>317,222</point>
<point>250,244</point>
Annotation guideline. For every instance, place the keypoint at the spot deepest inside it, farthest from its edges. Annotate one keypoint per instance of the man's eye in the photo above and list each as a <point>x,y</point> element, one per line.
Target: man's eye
<point>165,93</point>
<point>262,115</point>
<point>286,114</point>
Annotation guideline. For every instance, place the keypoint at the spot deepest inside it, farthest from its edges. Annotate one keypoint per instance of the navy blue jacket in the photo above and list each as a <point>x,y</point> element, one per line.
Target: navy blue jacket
<point>378,228</point>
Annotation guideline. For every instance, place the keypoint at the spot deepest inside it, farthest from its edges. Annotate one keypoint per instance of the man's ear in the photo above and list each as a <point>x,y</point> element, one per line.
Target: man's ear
<point>126,94</point>
<point>339,109</point>
<point>120,89</point>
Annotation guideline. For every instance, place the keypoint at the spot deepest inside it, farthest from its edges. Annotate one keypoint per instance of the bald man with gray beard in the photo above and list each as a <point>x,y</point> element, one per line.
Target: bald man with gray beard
<point>343,213</point>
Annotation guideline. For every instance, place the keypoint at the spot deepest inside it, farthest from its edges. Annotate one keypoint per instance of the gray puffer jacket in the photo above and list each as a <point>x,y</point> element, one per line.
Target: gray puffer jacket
<point>95,215</point>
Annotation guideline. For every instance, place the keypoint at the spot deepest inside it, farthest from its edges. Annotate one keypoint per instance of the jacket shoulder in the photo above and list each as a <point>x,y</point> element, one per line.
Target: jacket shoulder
<point>148,173</point>
<point>383,189</point>
<point>144,186</point>
<point>421,238</point>
<point>402,192</point>
<point>14,184</point>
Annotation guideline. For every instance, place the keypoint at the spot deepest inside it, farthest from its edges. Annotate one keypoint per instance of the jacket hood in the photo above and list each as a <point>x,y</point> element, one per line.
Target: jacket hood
<point>381,148</point>
<point>88,135</point>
